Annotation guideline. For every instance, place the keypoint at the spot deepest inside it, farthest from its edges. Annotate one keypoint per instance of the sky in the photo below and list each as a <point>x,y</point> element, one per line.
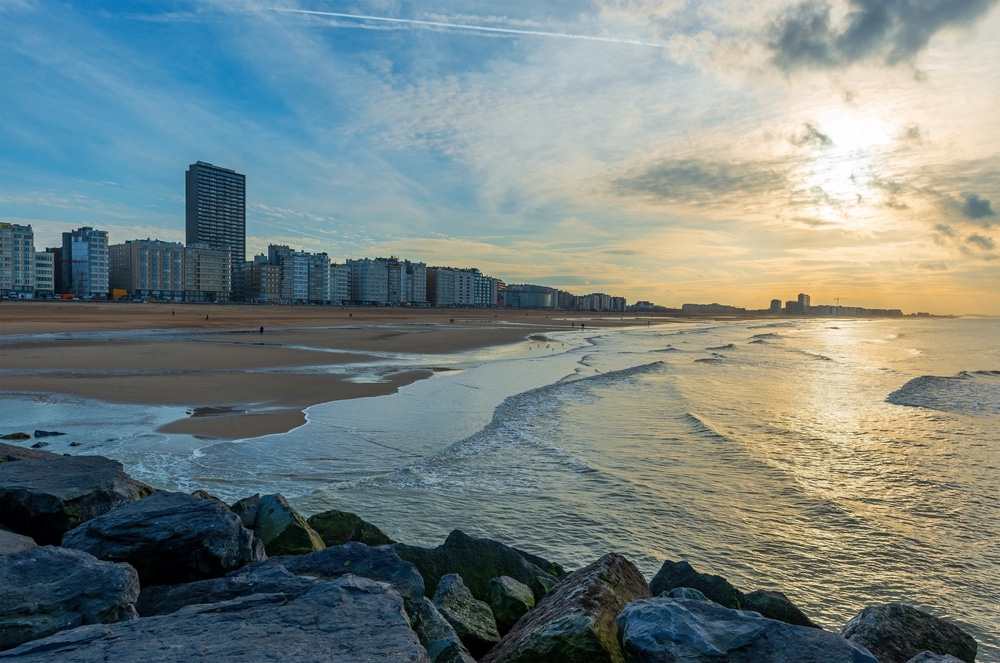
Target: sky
<point>731,151</point>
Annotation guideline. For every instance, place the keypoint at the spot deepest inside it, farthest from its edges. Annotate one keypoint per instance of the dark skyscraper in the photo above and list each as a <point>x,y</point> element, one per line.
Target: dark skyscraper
<point>216,213</point>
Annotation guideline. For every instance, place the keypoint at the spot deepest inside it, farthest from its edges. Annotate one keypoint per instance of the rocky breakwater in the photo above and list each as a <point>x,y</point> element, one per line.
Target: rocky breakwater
<point>174,577</point>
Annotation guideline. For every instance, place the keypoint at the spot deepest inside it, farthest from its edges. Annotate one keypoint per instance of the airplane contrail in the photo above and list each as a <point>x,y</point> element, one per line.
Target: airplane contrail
<point>475,28</point>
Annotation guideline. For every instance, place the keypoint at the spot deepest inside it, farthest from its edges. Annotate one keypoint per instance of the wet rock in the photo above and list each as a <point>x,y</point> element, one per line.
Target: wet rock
<point>39,445</point>
<point>471,618</point>
<point>47,433</point>
<point>509,600</point>
<point>348,619</point>
<point>16,436</point>
<point>685,593</point>
<point>931,657</point>
<point>681,574</point>
<point>775,605</point>
<point>10,452</point>
<point>48,589</point>
<point>336,528</point>
<point>46,498</point>
<point>895,633</point>
<point>576,620</point>
<point>170,538</point>
<point>282,530</point>
<point>246,509</point>
<point>204,495</point>
<point>476,560</point>
<point>11,542</point>
<point>663,630</point>
<point>438,637</point>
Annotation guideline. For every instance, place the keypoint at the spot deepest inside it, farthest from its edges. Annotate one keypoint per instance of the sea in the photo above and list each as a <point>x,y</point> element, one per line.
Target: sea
<point>844,462</point>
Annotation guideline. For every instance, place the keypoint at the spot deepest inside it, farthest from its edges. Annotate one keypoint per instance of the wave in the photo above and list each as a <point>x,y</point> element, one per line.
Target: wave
<point>973,393</point>
<point>727,346</point>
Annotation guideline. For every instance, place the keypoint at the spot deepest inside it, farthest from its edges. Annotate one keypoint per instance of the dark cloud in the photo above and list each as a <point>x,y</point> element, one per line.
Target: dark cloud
<point>695,179</point>
<point>985,243</point>
<point>944,230</point>
<point>933,266</point>
<point>890,31</point>
<point>811,136</point>
<point>976,207</point>
<point>913,133</point>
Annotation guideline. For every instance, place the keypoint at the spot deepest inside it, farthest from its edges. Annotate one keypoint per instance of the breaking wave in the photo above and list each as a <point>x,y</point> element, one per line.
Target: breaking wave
<point>975,393</point>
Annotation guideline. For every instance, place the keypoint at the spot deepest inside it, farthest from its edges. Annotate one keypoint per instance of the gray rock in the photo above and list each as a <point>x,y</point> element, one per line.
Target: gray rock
<point>339,527</point>
<point>170,538</point>
<point>685,593</point>
<point>204,495</point>
<point>11,542</point>
<point>47,433</point>
<point>471,618</point>
<point>895,633</point>
<point>576,620</point>
<point>16,436</point>
<point>10,452</point>
<point>663,630</point>
<point>509,600</point>
<point>438,636</point>
<point>476,560</point>
<point>681,574</point>
<point>931,657</point>
<point>246,509</point>
<point>775,605</point>
<point>39,445</point>
<point>48,589</point>
<point>44,499</point>
<point>349,619</point>
<point>282,530</point>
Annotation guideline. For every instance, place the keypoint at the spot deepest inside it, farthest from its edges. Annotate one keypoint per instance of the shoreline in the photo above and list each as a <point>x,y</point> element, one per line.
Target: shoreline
<point>236,382</point>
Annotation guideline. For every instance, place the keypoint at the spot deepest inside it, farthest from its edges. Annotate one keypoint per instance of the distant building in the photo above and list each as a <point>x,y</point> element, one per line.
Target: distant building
<point>148,268</point>
<point>713,308</point>
<point>803,301</point>
<point>263,281</point>
<point>207,273</point>
<point>775,306</point>
<point>340,284</point>
<point>793,308</point>
<point>45,284</point>
<point>17,260</point>
<point>369,281</point>
<point>530,296</point>
<point>216,215</point>
<point>85,262</point>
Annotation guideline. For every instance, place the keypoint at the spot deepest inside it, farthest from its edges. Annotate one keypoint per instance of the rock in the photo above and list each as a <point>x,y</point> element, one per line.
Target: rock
<point>509,600</point>
<point>74,443</point>
<point>170,538</point>
<point>775,605</point>
<point>541,585</point>
<point>16,436</point>
<point>48,589</point>
<point>204,495</point>
<point>44,499</point>
<point>47,433</point>
<point>349,619</point>
<point>663,630</point>
<point>9,452</point>
<point>246,509</point>
<point>476,560</point>
<point>931,657</point>
<point>471,618</point>
<point>282,530</point>
<point>576,620</point>
<point>895,633</point>
<point>438,637</point>
<point>680,574</point>
<point>684,593</point>
<point>554,569</point>
<point>339,527</point>
<point>11,542</point>
<point>39,445</point>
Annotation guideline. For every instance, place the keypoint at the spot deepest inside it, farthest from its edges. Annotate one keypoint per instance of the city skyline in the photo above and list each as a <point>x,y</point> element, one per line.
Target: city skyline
<point>671,152</point>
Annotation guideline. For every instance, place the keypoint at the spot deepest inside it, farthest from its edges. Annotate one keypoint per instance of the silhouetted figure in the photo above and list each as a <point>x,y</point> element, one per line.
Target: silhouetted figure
<point>262,329</point>
<point>171,313</point>
<point>206,317</point>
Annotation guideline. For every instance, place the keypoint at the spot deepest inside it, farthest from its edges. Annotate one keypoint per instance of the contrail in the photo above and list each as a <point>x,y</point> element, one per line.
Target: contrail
<point>475,28</point>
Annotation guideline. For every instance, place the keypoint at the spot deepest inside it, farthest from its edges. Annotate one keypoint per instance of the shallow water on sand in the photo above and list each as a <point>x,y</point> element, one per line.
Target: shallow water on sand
<point>845,462</point>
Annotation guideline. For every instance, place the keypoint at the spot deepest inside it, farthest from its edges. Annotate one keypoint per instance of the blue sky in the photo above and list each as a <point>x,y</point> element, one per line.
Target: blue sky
<point>723,150</point>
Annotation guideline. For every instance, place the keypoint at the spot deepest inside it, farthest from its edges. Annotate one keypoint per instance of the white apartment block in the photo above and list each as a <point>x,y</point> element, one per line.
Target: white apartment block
<point>340,284</point>
<point>369,281</point>
<point>45,272</point>
<point>148,268</point>
<point>207,273</point>
<point>17,260</point>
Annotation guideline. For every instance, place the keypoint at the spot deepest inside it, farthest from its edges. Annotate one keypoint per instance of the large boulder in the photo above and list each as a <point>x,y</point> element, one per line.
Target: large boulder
<point>44,499</point>
<point>282,530</point>
<point>48,589</point>
<point>349,619</point>
<point>471,618</point>
<point>438,636</point>
<point>339,527</point>
<point>576,620</point>
<point>931,657</point>
<point>476,560</point>
<point>775,605</point>
<point>11,452</point>
<point>681,574</point>
<point>246,509</point>
<point>11,542</point>
<point>509,600</point>
<point>895,633</point>
<point>663,630</point>
<point>170,538</point>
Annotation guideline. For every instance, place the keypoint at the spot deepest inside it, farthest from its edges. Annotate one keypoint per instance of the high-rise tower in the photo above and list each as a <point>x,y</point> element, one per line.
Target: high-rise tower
<point>216,214</point>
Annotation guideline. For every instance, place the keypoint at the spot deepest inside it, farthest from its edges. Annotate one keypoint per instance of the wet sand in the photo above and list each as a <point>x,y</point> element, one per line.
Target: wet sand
<point>235,381</point>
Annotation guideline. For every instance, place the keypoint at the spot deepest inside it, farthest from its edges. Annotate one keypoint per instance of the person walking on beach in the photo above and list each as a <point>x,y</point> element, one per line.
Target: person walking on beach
<point>262,329</point>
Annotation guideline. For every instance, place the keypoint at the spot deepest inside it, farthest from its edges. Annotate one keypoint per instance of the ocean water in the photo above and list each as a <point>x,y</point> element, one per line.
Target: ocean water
<point>845,462</point>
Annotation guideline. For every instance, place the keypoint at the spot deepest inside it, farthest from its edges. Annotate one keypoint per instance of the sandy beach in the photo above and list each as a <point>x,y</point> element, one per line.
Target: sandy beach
<point>235,381</point>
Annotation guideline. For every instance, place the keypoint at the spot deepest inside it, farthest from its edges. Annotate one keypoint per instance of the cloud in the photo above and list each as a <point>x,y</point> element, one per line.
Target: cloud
<point>976,207</point>
<point>692,179</point>
<point>944,230</point>
<point>933,266</point>
<point>985,243</point>
<point>807,36</point>
<point>811,136</point>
